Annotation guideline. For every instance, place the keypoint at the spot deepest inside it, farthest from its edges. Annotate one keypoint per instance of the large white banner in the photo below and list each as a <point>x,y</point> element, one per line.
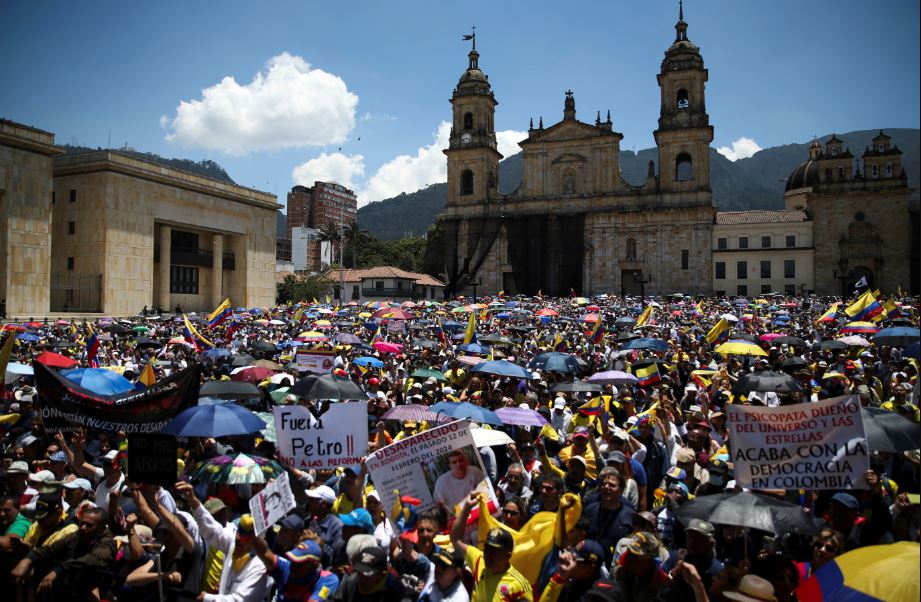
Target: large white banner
<point>819,445</point>
<point>440,466</point>
<point>337,438</point>
<point>272,503</point>
<point>318,362</point>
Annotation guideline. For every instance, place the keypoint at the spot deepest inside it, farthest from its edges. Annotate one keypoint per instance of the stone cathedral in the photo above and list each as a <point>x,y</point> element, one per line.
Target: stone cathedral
<point>574,223</point>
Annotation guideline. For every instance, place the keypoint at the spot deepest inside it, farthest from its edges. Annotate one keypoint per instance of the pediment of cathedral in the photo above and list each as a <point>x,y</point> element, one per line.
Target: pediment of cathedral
<point>568,158</point>
<point>568,129</point>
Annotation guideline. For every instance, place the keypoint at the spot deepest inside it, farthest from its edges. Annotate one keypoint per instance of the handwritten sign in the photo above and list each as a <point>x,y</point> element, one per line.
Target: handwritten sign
<point>338,438</point>
<point>819,445</point>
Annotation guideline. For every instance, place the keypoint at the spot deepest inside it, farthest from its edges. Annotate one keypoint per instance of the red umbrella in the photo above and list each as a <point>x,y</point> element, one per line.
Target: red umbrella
<point>34,324</point>
<point>55,360</point>
<point>590,318</point>
<point>252,374</point>
<point>394,313</point>
<point>593,308</point>
<point>547,312</point>
<point>385,347</point>
<point>16,327</point>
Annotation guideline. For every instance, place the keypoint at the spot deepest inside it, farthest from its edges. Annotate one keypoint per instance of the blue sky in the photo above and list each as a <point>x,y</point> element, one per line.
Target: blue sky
<point>273,90</point>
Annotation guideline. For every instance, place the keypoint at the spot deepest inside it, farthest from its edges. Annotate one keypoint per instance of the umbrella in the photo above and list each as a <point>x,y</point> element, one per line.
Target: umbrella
<point>623,320</point>
<point>736,347</point>
<point>99,380</point>
<point>577,386</point>
<point>548,312</point>
<point>746,509</point>
<point>913,350</point>
<point>612,377</point>
<point>793,363</point>
<point>424,343</point>
<point>327,386</point>
<point>244,359</point>
<point>555,361</point>
<point>394,313</point>
<point>413,412</point>
<point>346,338</point>
<point>788,340</point>
<point>229,389</point>
<point>767,380</point>
<point>832,345</point>
<point>427,373</point>
<point>854,340</point>
<point>744,336</point>
<point>897,336</point>
<point>860,328</point>
<point>28,337</point>
<point>265,347</point>
<point>267,364</point>
<point>489,437</point>
<point>147,343</point>
<point>646,343</point>
<point>466,409</point>
<point>19,369</point>
<point>116,329</point>
<point>521,417</point>
<point>885,572</point>
<point>368,361</point>
<point>473,348</point>
<point>55,360</point>
<point>889,431</point>
<point>219,420</point>
<point>385,347</point>
<point>251,374</point>
<point>503,368</point>
<point>268,433</point>
<point>236,470</point>
<point>496,338</point>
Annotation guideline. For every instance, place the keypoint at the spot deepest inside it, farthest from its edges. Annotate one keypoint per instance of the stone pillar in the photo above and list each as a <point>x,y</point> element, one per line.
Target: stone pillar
<point>165,252</point>
<point>217,270</point>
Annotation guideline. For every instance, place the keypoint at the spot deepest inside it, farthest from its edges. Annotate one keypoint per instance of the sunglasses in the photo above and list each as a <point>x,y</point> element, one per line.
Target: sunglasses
<point>510,512</point>
<point>824,545</point>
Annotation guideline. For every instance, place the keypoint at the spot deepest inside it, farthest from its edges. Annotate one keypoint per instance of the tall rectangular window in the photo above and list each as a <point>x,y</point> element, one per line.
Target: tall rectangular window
<point>765,242</point>
<point>789,289</point>
<point>743,242</point>
<point>791,240</point>
<point>789,268</point>
<point>183,280</point>
<point>722,243</point>
<point>70,264</point>
<point>766,269</point>
<point>685,259</point>
<point>71,227</point>
<point>741,270</point>
<point>765,289</point>
<point>720,270</point>
<point>73,195</point>
<point>742,290</point>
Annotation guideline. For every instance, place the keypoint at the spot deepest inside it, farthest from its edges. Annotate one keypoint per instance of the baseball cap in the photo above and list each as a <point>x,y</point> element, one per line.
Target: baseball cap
<point>679,485</point>
<point>619,433</point>
<point>647,516</point>
<point>305,550</point>
<point>46,504</point>
<point>676,473</point>
<point>292,522</point>
<point>445,557</point>
<point>847,500</point>
<point>110,455</point>
<point>700,526</point>
<point>45,480</point>
<point>604,590</point>
<point>717,465</point>
<point>615,456</point>
<point>578,459</point>
<point>374,381</point>
<point>372,560</point>
<point>500,538</point>
<point>145,534</point>
<point>559,403</point>
<point>214,505</point>
<point>29,440</point>
<point>580,431</point>
<point>18,467</point>
<point>590,551</point>
<point>359,517</point>
<point>643,545</point>
<point>58,456</point>
<point>323,492</point>
<point>78,484</point>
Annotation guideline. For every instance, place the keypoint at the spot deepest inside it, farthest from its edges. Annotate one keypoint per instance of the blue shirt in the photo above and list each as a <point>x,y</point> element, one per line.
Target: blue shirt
<point>316,587</point>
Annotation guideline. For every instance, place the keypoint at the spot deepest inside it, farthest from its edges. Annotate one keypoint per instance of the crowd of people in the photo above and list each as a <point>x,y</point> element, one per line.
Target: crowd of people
<point>74,525</point>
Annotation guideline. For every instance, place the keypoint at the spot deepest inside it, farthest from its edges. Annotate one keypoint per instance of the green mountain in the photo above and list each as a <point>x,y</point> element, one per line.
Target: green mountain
<point>753,183</point>
<point>205,167</point>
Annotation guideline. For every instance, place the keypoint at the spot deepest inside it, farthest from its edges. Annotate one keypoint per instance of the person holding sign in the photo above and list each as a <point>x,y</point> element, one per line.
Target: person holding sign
<point>297,574</point>
<point>452,487</point>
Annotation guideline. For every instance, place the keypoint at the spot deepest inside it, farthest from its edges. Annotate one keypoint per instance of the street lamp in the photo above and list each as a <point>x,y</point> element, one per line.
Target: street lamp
<point>639,279</point>
<point>843,274</point>
<point>474,284</point>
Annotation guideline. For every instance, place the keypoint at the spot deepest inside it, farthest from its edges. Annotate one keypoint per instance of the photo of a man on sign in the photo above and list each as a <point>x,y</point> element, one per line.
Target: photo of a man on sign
<point>452,487</point>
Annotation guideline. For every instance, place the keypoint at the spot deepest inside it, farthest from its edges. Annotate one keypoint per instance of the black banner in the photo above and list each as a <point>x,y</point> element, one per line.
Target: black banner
<point>152,458</point>
<point>64,405</point>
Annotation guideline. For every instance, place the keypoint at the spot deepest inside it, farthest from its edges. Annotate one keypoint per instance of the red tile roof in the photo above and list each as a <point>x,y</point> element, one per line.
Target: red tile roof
<point>761,217</point>
<point>356,275</point>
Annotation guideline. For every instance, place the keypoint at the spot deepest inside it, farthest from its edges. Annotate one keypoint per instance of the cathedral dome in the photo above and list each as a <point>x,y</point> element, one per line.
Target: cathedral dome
<point>473,75</point>
<point>804,176</point>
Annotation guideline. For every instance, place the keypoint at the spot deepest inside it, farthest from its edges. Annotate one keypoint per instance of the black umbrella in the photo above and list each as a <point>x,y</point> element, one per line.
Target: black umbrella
<point>767,380</point>
<point>243,359</point>
<point>627,335</point>
<point>229,389</point>
<point>746,509</point>
<point>793,363</point>
<point>327,386</point>
<point>116,329</point>
<point>424,343</point>
<point>890,432</point>
<point>265,346</point>
<point>832,345</point>
<point>577,386</point>
<point>555,361</point>
<point>496,338</point>
<point>788,340</point>
<point>146,343</point>
<point>746,337</point>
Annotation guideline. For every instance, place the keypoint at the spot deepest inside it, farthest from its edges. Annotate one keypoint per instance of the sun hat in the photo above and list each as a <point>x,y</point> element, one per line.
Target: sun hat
<point>18,467</point>
<point>358,517</point>
<point>752,588</point>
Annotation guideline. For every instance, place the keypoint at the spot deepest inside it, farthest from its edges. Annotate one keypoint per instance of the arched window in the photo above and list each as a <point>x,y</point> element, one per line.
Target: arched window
<point>682,99</point>
<point>631,249</point>
<point>888,170</point>
<point>841,173</point>
<point>466,182</point>
<point>468,121</point>
<point>684,170</point>
<point>875,171</point>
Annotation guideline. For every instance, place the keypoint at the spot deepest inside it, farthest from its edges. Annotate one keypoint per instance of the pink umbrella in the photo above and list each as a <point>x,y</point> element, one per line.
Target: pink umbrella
<point>470,360</point>
<point>770,336</point>
<point>590,318</point>
<point>414,412</point>
<point>385,347</point>
<point>612,377</point>
<point>394,313</point>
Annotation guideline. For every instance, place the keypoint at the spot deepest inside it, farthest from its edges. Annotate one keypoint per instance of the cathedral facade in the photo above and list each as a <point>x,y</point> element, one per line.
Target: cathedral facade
<point>574,224</point>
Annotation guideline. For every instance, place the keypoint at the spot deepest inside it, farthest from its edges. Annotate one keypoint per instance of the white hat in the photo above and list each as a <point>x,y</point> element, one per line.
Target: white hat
<point>45,480</point>
<point>111,455</point>
<point>373,493</point>
<point>18,467</point>
<point>752,588</point>
<point>78,484</point>
<point>524,406</point>
<point>559,403</point>
<point>323,492</point>
<point>417,385</point>
<point>448,391</point>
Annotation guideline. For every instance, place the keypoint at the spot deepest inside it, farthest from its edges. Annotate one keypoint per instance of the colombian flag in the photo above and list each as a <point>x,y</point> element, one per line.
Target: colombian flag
<point>470,334</point>
<point>890,311</point>
<point>699,310</point>
<point>597,333</point>
<point>377,336</point>
<point>830,314</point>
<point>92,347</point>
<point>647,375</point>
<point>864,308</point>
<point>719,332</point>
<point>644,317</point>
<point>234,326</point>
<point>220,314</point>
<point>440,331</point>
<point>559,344</point>
<point>193,336</point>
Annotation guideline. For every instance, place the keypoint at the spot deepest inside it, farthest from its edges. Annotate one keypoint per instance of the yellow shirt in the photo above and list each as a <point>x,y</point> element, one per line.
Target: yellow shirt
<point>343,505</point>
<point>35,533</point>
<point>510,586</point>
<point>591,470</point>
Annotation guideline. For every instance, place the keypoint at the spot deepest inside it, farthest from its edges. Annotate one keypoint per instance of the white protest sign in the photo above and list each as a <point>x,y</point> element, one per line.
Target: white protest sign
<point>819,445</point>
<point>318,362</point>
<point>272,504</point>
<point>338,438</point>
<point>397,326</point>
<point>440,466</point>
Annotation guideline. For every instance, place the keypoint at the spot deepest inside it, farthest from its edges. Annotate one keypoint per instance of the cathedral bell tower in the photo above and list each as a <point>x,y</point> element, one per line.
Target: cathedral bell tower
<point>684,133</point>
<point>473,160</point>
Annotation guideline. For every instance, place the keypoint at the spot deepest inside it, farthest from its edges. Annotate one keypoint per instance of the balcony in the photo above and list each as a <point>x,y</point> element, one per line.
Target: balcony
<point>196,257</point>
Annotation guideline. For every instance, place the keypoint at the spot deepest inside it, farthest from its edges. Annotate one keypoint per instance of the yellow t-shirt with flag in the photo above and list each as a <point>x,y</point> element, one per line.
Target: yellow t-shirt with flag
<point>510,586</point>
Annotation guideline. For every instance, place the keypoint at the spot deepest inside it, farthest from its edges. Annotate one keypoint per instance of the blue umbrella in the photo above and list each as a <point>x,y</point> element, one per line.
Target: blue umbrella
<point>473,348</point>
<point>512,303</point>
<point>894,336</point>
<point>913,350</point>
<point>502,368</point>
<point>28,337</point>
<point>503,315</point>
<point>451,325</point>
<point>218,420</point>
<point>555,361</point>
<point>466,409</point>
<point>99,380</point>
<point>217,352</point>
<point>368,362</point>
<point>650,344</point>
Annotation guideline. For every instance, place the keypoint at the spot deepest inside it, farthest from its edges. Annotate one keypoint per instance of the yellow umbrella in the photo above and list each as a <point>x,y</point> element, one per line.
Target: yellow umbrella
<point>364,314</point>
<point>740,348</point>
<point>115,369</point>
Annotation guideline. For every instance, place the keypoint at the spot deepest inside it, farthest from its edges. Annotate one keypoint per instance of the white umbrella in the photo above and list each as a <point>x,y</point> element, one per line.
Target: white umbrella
<point>276,322</point>
<point>730,318</point>
<point>489,437</point>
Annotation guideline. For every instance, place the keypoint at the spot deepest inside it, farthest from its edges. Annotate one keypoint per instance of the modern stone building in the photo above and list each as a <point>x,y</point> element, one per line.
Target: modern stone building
<point>26,164</point>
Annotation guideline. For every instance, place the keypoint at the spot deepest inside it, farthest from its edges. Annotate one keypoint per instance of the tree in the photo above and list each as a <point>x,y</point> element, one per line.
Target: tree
<point>329,232</point>
<point>355,236</point>
<point>296,288</point>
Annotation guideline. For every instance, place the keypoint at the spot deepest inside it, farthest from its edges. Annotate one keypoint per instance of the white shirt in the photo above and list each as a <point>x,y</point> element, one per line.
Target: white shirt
<point>450,491</point>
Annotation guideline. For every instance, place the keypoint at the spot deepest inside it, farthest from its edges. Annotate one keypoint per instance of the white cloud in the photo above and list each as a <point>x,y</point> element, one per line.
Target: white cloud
<point>288,104</point>
<point>508,140</point>
<point>333,167</point>
<point>743,148</point>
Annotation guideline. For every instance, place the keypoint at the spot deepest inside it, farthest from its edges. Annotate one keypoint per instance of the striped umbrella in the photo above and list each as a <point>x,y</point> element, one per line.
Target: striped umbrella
<point>860,328</point>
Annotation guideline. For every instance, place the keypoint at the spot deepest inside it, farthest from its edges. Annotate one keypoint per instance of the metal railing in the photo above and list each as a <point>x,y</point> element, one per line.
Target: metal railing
<point>76,292</point>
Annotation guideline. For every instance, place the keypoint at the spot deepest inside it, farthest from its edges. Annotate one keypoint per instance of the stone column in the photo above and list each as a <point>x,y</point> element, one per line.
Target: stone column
<point>165,251</point>
<point>217,269</point>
